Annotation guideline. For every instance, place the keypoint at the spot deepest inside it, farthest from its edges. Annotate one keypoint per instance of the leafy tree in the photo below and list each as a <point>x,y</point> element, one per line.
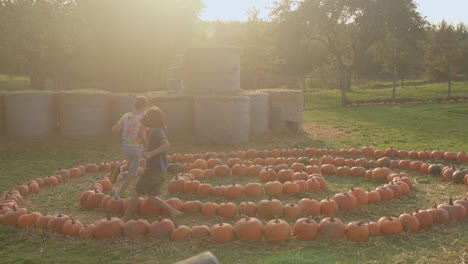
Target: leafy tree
<point>347,28</point>
<point>36,38</point>
<point>399,47</point>
<point>445,51</point>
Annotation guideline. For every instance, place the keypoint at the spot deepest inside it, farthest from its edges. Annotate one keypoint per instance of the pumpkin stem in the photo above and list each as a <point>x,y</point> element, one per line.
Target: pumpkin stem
<point>14,208</point>
<point>108,217</point>
<point>332,218</point>
<point>73,221</point>
<point>59,215</point>
<point>450,201</point>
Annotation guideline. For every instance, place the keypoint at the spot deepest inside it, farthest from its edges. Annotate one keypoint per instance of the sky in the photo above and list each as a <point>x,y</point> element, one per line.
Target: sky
<point>454,11</point>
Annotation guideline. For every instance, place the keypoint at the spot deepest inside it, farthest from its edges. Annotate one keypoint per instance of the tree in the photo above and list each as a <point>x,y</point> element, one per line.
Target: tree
<point>347,28</point>
<point>445,50</point>
<point>399,48</point>
<point>36,38</point>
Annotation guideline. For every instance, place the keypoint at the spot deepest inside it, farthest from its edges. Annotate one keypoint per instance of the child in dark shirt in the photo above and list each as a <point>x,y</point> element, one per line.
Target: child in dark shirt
<point>154,175</point>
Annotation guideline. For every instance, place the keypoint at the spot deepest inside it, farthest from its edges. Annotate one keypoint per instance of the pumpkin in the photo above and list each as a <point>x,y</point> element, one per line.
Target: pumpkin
<point>390,225</point>
<point>253,190</point>
<point>56,223</point>
<point>136,228</point>
<point>269,208</point>
<point>277,231</point>
<point>161,228</point>
<point>222,233</point>
<point>86,231</point>
<point>75,172</point>
<point>383,162</point>
<point>147,208</point>
<point>374,229</point>
<point>248,209</point>
<point>395,189</point>
<point>311,169</point>
<point>459,176</point>
<point>457,212</point>
<point>357,171</point>
<point>425,218</point>
<point>249,229</point>
<point>180,233</point>
<point>329,207</point>
<point>267,175</point>
<point>213,162</point>
<point>254,170</point>
<point>435,169</point>
<point>385,193</point>
<point>72,228</point>
<point>303,185</point>
<point>200,164</point>
<point>176,185</point>
<point>222,170</point>
<point>200,231</point>
<point>331,227</point>
<point>27,220</point>
<point>360,195</point>
<point>328,169</point>
<point>233,191</point>
<point>285,175</point>
<point>439,215</point>
<point>291,188</point>
<point>239,170</point>
<point>92,168</point>
<point>274,188</point>
<point>305,229</point>
<point>204,189</point>
<point>209,209</point>
<point>346,202</point>
<point>291,211</point>
<point>409,222</point>
<point>380,173</point>
<point>309,206</point>
<point>94,200</point>
<point>33,187</point>
<point>43,221</point>
<point>191,187</point>
<point>192,207</point>
<point>227,210</point>
<point>219,190</point>
<point>114,206</point>
<point>198,174</point>
<point>357,231</point>
<point>175,203</point>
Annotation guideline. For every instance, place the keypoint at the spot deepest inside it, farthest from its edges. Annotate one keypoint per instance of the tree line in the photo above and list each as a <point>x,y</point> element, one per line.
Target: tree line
<point>132,45</point>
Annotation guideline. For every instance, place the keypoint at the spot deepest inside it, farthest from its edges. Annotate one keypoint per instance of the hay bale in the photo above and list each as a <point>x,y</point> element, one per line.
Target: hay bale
<point>84,114</point>
<point>179,113</point>
<point>121,104</point>
<point>292,104</point>
<point>211,70</point>
<point>222,119</point>
<point>30,114</point>
<point>259,112</point>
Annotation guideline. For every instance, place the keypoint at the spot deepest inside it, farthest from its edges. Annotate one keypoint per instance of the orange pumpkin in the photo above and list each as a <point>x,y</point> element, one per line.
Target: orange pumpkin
<point>249,229</point>
<point>222,233</point>
<point>277,231</point>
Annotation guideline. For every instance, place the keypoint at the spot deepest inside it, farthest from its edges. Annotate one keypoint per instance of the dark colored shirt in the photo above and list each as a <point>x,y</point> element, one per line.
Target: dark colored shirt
<point>157,162</point>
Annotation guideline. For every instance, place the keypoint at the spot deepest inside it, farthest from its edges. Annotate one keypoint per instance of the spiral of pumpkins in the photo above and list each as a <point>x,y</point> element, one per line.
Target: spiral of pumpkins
<point>275,173</point>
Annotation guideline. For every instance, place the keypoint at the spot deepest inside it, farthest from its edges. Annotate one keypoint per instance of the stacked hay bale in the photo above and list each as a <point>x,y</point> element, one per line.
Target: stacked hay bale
<point>30,115</point>
<point>179,114</point>
<point>222,120</point>
<point>259,112</point>
<point>289,104</point>
<point>84,114</point>
<point>121,104</point>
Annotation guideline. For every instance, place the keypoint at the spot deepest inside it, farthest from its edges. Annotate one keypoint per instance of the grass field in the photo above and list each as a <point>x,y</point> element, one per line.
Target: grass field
<point>431,126</point>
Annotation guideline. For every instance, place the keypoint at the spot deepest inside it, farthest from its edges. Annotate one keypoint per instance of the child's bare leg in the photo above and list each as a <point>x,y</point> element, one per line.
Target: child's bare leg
<point>161,203</point>
<point>125,185</point>
<point>132,207</point>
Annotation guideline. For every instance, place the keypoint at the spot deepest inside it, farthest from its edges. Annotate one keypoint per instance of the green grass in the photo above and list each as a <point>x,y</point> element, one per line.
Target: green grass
<point>431,126</point>
<point>13,83</point>
<point>419,91</point>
